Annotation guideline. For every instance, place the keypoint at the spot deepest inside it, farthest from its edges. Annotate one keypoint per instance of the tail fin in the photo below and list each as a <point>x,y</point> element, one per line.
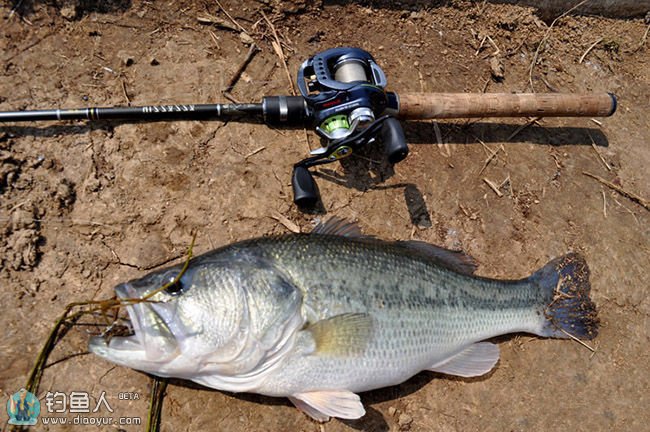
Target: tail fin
<point>570,310</point>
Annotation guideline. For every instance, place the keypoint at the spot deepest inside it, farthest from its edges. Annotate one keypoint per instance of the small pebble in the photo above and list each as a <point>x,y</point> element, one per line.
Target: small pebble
<point>404,420</point>
<point>68,12</point>
<point>246,38</point>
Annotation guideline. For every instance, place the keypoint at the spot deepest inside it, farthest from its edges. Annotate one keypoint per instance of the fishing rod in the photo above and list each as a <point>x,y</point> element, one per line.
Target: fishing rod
<point>343,97</point>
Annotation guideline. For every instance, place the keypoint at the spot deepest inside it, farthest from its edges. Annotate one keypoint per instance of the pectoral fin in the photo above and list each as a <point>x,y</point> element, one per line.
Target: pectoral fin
<point>321,405</point>
<point>475,360</point>
<point>345,334</point>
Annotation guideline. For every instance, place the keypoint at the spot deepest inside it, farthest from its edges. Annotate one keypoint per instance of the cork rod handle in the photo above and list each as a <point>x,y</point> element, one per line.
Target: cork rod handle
<point>420,106</point>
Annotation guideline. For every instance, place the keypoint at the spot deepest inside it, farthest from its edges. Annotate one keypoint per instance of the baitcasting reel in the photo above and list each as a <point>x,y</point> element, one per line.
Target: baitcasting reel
<point>343,92</point>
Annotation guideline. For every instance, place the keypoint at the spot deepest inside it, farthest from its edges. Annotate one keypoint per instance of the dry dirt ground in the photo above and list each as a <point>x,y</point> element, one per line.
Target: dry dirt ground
<point>83,207</point>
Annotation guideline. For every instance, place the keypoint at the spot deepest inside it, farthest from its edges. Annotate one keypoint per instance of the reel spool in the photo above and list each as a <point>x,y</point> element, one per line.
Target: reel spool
<point>344,90</point>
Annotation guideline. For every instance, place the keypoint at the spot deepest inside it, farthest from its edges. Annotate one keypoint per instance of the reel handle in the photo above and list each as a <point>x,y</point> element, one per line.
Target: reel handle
<point>394,140</point>
<point>420,106</point>
<point>305,190</point>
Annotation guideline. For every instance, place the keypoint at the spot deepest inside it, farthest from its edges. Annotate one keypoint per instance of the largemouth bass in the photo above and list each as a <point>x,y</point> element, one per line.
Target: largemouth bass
<point>321,317</point>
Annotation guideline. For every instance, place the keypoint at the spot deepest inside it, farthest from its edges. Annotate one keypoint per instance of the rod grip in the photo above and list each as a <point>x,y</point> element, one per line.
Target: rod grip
<point>420,106</point>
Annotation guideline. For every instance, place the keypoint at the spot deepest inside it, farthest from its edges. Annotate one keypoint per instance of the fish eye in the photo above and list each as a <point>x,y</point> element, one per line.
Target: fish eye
<point>176,286</point>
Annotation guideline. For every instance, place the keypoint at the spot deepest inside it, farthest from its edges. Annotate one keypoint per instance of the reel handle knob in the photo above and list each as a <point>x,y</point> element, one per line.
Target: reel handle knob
<point>305,191</point>
<point>394,140</point>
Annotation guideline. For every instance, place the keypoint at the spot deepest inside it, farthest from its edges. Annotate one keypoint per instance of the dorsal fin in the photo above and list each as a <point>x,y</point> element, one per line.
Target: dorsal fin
<point>457,261</point>
<point>339,227</point>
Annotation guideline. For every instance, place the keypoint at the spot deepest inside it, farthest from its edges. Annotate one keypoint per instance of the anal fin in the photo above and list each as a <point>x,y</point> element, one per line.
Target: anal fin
<point>475,360</point>
<point>309,410</point>
<point>321,405</point>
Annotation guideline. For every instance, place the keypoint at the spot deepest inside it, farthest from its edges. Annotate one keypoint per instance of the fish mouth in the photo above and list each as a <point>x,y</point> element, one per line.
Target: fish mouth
<point>151,343</point>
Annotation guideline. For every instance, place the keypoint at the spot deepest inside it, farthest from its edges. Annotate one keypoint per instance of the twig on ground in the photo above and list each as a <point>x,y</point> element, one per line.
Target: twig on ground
<point>219,22</point>
<point>584,344</point>
<point>604,204</point>
<point>543,41</point>
<point>124,92</point>
<point>254,152</point>
<point>251,53</point>
<point>498,51</point>
<point>26,48</point>
<point>307,142</point>
<point>548,85</point>
<point>230,97</point>
<point>493,187</point>
<point>14,9</point>
<point>632,196</point>
<point>492,155</point>
<point>214,37</point>
<point>602,159</point>
<point>286,222</point>
<point>487,83</point>
<point>277,47</point>
<point>478,50</point>
<point>522,127</point>
<point>599,40</point>
<point>643,39</point>
<point>230,17</point>
<point>618,203</point>
<point>441,144</point>
<point>155,404</point>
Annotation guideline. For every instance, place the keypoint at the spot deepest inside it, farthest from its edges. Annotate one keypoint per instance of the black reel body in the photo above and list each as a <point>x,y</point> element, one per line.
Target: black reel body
<point>346,101</point>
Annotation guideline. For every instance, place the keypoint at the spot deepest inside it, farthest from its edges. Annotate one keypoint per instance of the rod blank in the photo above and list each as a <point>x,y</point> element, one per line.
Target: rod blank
<point>150,112</point>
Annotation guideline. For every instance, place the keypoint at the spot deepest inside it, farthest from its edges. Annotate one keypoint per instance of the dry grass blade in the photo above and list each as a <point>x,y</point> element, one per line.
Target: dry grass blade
<point>584,344</point>
<point>249,57</point>
<point>493,186</point>
<point>125,94</point>
<point>543,41</point>
<point>277,47</point>
<point>286,222</point>
<point>155,404</point>
<point>634,197</point>
<point>216,21</point>
<point>589,49</point>
<point>230,17</point>
<point>492,155</point>
<point>643,39</point>
<point>15,8</point>
<point>602,159</point>
<point>522,127</point>
<point>254,152</point>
